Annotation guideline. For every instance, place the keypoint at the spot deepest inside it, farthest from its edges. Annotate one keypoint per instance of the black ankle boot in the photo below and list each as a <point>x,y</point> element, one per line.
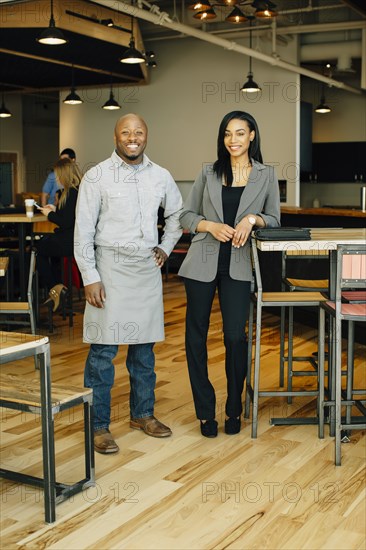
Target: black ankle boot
<point>232,426</point>
<point>209,428</point>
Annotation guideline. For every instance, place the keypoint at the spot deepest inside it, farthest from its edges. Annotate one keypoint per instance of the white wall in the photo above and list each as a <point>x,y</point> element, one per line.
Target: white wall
<point>193,87</point>
<point>346,121</point>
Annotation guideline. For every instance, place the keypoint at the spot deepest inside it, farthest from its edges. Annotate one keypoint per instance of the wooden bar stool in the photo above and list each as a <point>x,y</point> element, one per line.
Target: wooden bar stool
<point>350,274</point>
<point>294,284</point>
<point>272,299</point>
<point>42,397</point>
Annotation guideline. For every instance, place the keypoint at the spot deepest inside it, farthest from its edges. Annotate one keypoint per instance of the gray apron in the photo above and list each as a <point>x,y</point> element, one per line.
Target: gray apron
<point>133,312</point>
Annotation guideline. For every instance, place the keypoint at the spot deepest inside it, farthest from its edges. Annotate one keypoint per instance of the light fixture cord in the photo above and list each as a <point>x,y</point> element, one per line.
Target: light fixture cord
<point>250,45</point>
<point>52,18</point>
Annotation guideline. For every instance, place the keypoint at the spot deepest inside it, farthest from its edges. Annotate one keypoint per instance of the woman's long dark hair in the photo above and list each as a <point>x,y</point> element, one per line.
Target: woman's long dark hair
<point>222,167</point>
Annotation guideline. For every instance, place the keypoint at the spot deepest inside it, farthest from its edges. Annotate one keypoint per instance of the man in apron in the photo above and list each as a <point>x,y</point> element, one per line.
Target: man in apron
<point>116,238</point>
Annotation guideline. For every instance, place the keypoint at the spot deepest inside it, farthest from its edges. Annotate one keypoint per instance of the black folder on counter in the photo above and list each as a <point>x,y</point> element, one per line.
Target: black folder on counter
<point>283,234</point>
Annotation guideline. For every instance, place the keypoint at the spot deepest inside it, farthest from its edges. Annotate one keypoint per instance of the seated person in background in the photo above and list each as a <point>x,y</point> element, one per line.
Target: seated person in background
<point>60,243</point>
<point>51,185</point>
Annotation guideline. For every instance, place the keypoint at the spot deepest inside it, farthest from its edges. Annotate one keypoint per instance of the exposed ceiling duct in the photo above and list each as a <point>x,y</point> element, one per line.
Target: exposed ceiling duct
<point>161,18</point>
<point>344,54</point>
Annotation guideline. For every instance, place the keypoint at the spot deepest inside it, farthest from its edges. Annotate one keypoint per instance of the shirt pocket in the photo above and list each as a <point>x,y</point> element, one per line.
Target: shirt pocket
<point>119,204</point>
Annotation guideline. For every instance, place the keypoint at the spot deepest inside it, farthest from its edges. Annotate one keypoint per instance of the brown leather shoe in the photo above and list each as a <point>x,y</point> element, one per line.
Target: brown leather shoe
<point>151,426</point>
<point>104,442</point>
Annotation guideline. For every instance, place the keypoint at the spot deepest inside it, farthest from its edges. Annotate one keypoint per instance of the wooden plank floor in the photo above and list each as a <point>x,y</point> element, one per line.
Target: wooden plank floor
<point>281,490</point>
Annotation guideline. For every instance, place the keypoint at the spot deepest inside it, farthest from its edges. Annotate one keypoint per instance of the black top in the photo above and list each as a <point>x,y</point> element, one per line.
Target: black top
<point>230,201</point>
<point>61,241</point>
<point>64,217</point>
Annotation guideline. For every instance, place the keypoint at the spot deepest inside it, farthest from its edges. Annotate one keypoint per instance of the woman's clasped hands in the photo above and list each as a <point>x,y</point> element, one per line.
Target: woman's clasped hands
<point>224,233</point>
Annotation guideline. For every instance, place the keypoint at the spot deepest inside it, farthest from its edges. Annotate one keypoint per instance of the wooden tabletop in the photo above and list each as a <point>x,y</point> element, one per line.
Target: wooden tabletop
<point>11,342</point>
<point>21,218</point>
<point>346,212</point>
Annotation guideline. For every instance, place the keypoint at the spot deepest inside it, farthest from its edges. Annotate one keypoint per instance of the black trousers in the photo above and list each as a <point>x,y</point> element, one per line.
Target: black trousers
<point>50,250</point>
<point>234,299</point>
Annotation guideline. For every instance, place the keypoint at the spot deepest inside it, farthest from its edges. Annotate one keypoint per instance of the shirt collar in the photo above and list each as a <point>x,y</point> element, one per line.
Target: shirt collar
<point>118,162</point>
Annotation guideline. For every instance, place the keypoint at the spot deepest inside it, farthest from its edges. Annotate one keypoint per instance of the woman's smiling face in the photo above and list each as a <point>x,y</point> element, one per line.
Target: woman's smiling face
<point>238,137</point>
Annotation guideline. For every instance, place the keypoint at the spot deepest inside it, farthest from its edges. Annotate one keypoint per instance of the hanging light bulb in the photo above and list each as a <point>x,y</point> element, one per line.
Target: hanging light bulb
<point>205,15</point>
<point>111,104</point>
<point>4,112</point>
<point>73,98</point>
<point>236,16</point>
<point>198,6</point>
<point>264,8</point>
<point>322,108</point>
<point>52,36</point>
<point>250,86</point>
<point>132,55</point>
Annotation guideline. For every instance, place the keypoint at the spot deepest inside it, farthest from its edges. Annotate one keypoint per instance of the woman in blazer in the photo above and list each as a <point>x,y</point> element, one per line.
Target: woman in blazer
<point>228,199</point>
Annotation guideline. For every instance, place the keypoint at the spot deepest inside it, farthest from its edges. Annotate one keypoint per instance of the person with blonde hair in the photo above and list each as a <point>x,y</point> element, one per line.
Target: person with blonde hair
<point>51,186</point>
<point>60,243</point>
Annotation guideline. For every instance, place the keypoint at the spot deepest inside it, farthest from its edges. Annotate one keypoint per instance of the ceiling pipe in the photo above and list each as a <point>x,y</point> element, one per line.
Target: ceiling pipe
<point>161,18</point>
<point>323,51</point>
<point>293,29</point>
<point>310,8</point>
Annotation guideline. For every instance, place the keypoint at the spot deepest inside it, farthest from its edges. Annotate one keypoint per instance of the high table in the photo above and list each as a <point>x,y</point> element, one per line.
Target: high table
<point>22,222</point>
<point>321,239</point>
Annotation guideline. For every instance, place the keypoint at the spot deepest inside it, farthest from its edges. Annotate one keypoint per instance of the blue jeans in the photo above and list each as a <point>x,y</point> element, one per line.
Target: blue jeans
<point>99,375</point>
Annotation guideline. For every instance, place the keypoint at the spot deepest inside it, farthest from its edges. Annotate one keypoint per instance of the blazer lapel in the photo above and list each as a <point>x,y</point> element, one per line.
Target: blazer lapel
<point>214,187</point>
<point>252,190</point>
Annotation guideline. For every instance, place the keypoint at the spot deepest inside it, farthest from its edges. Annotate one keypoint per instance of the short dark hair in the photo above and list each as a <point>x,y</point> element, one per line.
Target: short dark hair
<point>222,166</point>
<point>69,152</point>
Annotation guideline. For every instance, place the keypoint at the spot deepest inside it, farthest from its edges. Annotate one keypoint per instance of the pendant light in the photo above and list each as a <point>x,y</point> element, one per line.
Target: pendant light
<point>52,36</point>
<point>322,108</point>
<point>264,9</point>
<point>132,55</point>
<point>205,14</point>
<point>250,86</point>
<point>73,98</point>
<point>111,104</point>
<point>4,112</point>
<point>199,6</point>
<point>236,16</point>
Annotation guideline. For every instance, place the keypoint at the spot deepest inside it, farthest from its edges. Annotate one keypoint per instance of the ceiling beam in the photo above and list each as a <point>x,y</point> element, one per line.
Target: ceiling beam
<point>67,64</point>
<point>359,6</point>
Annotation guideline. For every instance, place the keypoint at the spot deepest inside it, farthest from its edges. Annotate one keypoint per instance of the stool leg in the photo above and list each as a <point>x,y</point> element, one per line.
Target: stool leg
<point>321,404</point>
<point>338,389</point>
<point>332,373</point>
<point>89,441</point>
<point>282,346</point>
<point>48,444</point>
<point>290,348</point>
<point>256,370</point>
<point>350,364</point>
<point>69,296</point>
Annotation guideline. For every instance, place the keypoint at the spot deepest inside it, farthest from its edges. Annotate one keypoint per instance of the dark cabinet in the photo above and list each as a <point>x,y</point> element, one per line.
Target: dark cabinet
<point>340,161</point>
<point>306,140</point>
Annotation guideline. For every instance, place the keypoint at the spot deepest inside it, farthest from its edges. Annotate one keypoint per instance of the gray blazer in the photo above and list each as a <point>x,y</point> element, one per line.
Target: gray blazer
<point>261,197</point>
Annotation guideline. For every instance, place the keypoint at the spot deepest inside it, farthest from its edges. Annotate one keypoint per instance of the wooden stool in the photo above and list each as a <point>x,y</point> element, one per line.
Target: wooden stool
<point>41,397</point>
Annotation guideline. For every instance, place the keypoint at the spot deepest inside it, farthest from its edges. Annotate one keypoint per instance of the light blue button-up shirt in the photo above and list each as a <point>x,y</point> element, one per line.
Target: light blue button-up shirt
<point>118,207</point>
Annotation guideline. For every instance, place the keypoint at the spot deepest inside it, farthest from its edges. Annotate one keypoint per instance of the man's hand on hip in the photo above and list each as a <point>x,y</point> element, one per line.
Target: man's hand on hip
<point>95,294</point>
<point>160,256</point>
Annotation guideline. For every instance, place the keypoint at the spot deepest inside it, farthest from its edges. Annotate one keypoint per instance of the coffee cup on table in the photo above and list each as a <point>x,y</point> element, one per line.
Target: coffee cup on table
<point>29,207</point>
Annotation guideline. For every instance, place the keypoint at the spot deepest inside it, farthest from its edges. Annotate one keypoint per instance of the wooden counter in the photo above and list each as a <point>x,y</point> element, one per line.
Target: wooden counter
<point>346,212</point>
